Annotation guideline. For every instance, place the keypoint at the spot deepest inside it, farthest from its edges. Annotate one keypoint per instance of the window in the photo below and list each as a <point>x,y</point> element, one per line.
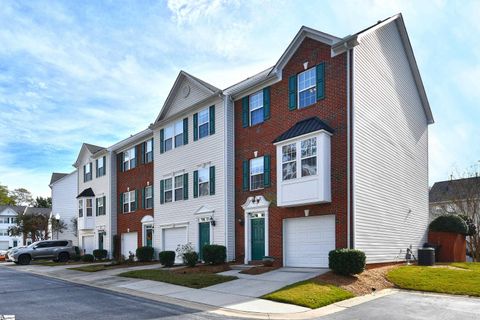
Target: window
<point>129,159</point>
<point>256,173</point>
<point>80,208</point>
<point>101,167</point>
<point>289,161</point>
<point>178,134</point>
<point>204,182</point>
<point>256,108</point>
<point>100,206</point>
<point>168,190</point>
<point>307,88</point>
<point>89,207</point>
<point>203,123</point>
<point>4,232</point>
<point>168,142</point>
<point>149,197</point>
<point>87,172</point>
<point>129,203</point>
<point>148,151</point>
<point>309,157</point>
<point>179,188</point>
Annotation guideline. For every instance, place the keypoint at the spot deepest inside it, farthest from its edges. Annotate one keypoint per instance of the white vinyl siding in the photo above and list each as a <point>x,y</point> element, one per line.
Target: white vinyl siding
<point>390,150</point>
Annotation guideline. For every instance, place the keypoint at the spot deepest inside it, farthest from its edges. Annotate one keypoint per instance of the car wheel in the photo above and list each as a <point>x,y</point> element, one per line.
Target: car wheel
<point>24,259</point>
<point>63,257</point>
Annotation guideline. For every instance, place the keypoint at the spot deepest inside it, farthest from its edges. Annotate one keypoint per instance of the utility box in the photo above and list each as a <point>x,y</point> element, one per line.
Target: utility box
<point>426,256</point>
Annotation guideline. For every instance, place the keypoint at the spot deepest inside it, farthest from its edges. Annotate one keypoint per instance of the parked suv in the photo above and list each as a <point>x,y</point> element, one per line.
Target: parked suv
<point>57,250</point>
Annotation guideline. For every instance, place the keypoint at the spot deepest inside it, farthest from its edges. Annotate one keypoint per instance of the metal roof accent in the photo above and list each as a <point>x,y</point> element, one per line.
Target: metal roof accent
<point>86,193</point>
<point>303,127</point>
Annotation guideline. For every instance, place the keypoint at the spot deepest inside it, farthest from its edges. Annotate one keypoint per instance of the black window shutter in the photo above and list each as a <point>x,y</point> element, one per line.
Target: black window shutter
<point>120,162</point>
<point>97,174</point>
<point>104,165</point>
<point>292,92</point>
<point>266,103</point>
<point>245,112</point>
<point>143,152</point>
<point>96,206</point>
<point>246,175</point>
<point>185,131</point>
<point>320,81</point>
<point>162,141</point>
<point>162,191</point>
<point>266,170</point>
<point>185,186</point>
<point>121,202</point>
<point>212,119</point>
<point>212,180</point>
<point>195,184</point>
<point>195,127</point>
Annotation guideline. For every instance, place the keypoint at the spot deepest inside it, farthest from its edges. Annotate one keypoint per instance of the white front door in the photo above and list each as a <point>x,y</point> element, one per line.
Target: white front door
<point>172,237</point>
<point>308,240</point>
<point>129,243</point>
<point>88,244</point>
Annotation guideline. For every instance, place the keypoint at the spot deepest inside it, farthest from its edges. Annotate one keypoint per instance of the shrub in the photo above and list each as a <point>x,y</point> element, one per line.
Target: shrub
<point>449,223</point>
<point>77,250</point>
<point>189,256</point>
<point>100,254</point>
<point>346,261</point>
<point>167,258</point>
<point>214,254</point>
<point>76,257</point>
<point>88,258</point>
<point>116,247</point>
<point>144,254</point>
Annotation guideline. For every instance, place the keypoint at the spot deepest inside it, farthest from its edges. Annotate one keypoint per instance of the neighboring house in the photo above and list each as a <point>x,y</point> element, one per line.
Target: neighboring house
<point>64,188</point>
<point>96,199</point>
<point>134,191</point>
<point>193,168</point>
<point>8,216</point>
<point>331,150</point>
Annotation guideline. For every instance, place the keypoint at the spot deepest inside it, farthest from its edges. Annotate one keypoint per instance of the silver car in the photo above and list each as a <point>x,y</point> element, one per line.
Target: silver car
<point>57,250</point>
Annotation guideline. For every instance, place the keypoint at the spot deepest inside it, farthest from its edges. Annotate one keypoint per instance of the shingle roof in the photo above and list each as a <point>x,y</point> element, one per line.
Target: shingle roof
<point>17,209</point>
<point>57,176</point>
<point>86,193</point>
<point>93,148</point>
<point>303,127</point>
<point>454,189</point>
<point>42,211</point>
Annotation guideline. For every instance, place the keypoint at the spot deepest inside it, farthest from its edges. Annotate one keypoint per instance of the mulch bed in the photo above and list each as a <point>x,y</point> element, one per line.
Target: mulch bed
<point>203,268</point>
<point>258,270</point>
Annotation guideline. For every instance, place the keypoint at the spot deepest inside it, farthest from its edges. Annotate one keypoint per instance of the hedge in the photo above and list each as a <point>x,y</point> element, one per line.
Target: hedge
<point>100,254</point>
<point>167,258</point>
<point>346,261</point>
<point>214,254</point>
<point>449,223</point>
<point>144,254</point>
<point>88,258</point>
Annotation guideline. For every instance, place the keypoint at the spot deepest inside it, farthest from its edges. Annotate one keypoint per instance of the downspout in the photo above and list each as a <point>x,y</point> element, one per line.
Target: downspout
<point>351,168</point>
<point>348,153</point>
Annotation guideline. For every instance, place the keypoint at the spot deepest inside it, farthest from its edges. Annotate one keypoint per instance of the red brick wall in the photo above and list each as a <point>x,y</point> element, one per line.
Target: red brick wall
<point>332,110</point>
<point>135,179</point>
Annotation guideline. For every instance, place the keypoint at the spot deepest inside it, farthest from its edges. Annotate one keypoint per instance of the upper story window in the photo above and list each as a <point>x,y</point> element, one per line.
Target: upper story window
<point>203,182</point>
<point>89,207</point>
<point>174,189</point>
<point>7,220</point>
<point>129,159</point>
<point>179,188</point>
<point>256,173</point>
<point>101,166</point>
<point>80,208</point>
<point>256,108</point>
<point>203,123</point>
<point>168,193</point>
<point>148,149</point>
<point>149,197</point>
<point>87,172</point>
<point>174,136</point>
<point>307,88</point>
<point>309,157</point>
<point>178,127</point>
<point>129,201</point>
<point>100,206</point>
<point>168,142</point>
<point>289,161</point>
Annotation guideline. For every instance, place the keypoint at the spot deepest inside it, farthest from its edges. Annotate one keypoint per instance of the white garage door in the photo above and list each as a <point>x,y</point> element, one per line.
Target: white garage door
<point>87,244</point>
<point>129,243</point>
<point>307,241</point>
<point>172,237</point>
<point>3,245</point>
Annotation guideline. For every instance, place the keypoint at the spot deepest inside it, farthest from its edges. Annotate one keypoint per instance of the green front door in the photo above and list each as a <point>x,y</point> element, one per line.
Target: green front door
<point>148,236</point>
<point>258,238</point>
<point>204,237</point>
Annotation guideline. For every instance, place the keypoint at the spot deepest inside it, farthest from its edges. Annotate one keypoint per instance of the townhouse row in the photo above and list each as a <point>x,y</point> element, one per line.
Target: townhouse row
<point>326,149</point>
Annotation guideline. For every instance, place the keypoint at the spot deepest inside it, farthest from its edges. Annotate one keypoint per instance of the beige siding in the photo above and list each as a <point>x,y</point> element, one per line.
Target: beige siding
<point>64,203</point>
<point>180,103</point>
<point>390,146</point>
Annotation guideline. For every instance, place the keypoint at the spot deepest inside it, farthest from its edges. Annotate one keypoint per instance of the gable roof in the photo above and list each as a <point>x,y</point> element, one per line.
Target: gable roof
<point>444,191</point>
<point>86,193</point>
<point>212,90</point>
<point>303,127</point>
<point>17,209</point>
<point>57,176</point>
<point>90,148</point>
<point>39,211</point>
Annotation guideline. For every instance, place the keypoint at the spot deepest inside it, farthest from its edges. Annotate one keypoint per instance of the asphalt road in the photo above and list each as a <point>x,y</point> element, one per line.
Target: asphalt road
<point>29,296</point>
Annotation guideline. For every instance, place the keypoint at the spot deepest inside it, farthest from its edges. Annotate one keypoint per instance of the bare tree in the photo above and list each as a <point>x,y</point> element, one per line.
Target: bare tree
<point>74,227</point>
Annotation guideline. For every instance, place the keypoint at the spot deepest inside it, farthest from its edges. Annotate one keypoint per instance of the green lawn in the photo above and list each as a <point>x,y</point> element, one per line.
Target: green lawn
<point>191,280</point>
<point>441,280</point>
<point>311,294</point>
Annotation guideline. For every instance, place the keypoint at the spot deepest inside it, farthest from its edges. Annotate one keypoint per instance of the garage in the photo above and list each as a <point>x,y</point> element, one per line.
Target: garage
<point>87,244</point>
<point>308,240</point>
<point>129,243</point>
<point>172,237</point>
<point>3,245</point>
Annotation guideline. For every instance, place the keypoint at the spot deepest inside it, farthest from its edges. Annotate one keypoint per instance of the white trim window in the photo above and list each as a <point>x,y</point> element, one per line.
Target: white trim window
<point>100,207</point>
<point>129,201</point>
<point>87,169</point>
<point>178,187</point>
<point>178,134</point>
<point>203,123</point>
<point>80,208</point>
<point>4,232</point>
<point>289,161</point>
<point>307,88</point>
<point>309,157</point>
<point>256,173</point>
<point>256,108</point>
<point>101,167</point>
<point>204,182</point>
<point>168,139</point>
<point>148,151</point>
<point>129,159</point>
<point>89,206</point>
<point>168,192</point>
<point>149,197</point>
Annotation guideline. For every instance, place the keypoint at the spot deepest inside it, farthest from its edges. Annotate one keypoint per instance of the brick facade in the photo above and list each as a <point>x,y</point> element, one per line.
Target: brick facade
<point>332,110</point>
<point>134,179</point>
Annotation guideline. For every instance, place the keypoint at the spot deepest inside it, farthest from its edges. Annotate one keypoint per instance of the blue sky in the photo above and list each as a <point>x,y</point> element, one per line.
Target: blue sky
<point>92,71</point>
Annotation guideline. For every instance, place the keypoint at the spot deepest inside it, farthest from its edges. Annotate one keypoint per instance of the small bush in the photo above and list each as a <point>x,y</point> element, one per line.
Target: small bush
<point>100,254</point>
<point>346,261</point>
<point>449,223</point>
<point>190,258</point>
<point>77,250</point>
<point>116,247</point>
<point>214,254</point>
<point>167,258</point>
<point>88,258</point>
<point>144,254</point>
